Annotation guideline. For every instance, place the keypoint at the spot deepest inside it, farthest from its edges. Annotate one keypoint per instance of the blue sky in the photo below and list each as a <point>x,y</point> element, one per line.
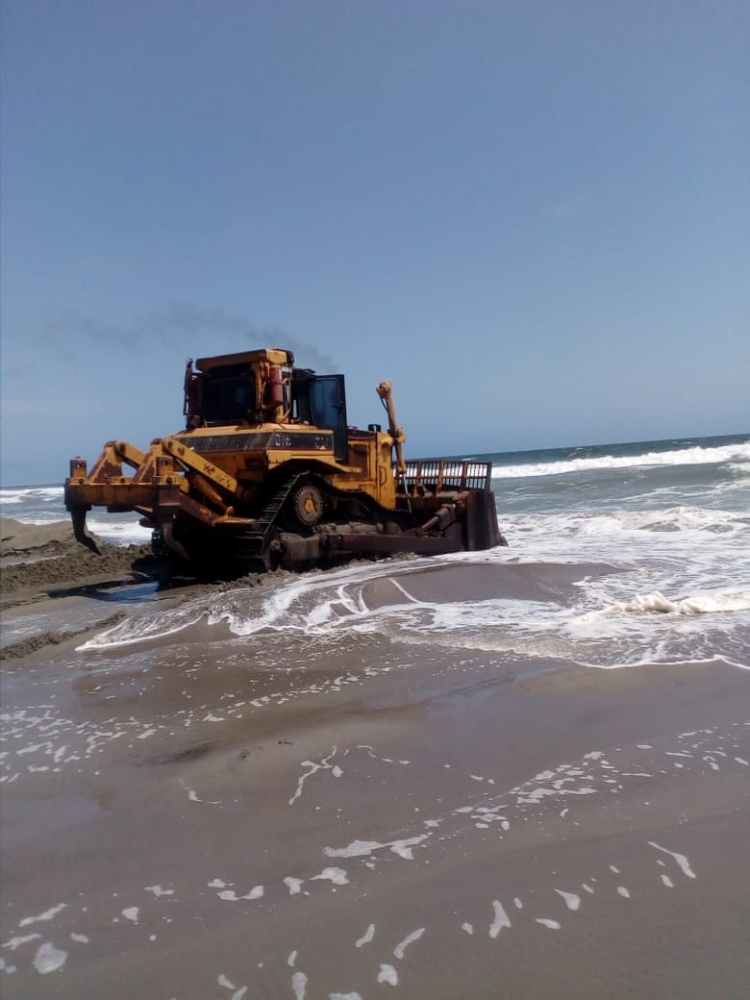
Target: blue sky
<point>533,217</point>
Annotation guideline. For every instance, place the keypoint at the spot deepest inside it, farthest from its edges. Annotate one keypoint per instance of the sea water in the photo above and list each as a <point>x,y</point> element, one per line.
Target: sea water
<point>618,555</point>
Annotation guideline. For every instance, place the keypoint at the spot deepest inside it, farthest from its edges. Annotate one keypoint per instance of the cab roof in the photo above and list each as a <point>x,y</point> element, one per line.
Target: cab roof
<point>274,355</point>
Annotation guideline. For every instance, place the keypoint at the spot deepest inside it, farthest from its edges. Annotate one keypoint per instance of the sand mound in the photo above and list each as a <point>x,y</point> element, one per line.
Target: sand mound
<point>18,539</point>
<point>41,557</point>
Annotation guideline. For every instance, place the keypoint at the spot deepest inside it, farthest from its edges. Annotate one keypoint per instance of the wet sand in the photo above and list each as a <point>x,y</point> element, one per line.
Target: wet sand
<point>246,817</point>
<point>42,560</point>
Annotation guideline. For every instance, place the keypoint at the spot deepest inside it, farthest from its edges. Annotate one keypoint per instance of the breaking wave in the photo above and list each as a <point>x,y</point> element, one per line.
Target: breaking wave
<point>737,456</point>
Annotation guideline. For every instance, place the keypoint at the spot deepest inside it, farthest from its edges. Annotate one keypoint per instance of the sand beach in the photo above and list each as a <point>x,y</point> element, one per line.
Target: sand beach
<point>213,815</point>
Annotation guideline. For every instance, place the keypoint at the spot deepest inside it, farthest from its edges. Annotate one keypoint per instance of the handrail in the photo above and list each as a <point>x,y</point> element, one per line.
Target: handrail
<point>447,475</point>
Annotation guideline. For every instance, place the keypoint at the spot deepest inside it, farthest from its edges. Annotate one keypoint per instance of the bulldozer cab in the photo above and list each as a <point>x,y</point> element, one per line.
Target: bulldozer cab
<point>320,401</point>
<point>258,387</point>
<point>229,396</point>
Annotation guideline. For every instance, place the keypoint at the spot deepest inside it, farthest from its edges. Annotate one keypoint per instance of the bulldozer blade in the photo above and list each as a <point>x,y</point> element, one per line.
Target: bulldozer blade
<point>78,517</point>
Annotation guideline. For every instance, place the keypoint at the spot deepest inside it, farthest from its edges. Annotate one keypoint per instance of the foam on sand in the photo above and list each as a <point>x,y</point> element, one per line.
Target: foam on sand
<point>364,848</point>
<point>400,948</point>
<point>49,959</point>
<point>501,919</point>
<point>681,859</point>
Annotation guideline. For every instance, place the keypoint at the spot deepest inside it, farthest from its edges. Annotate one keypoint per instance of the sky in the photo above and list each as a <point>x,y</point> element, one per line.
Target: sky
<point>533,217</point>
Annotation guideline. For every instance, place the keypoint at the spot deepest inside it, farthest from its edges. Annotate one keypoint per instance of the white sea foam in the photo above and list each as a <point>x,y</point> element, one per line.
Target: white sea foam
<point>119,532</point>
<point>388,975</point>
<point>313,768</point>
<point>401,947</point>
<point>364,848</point>
<point>680,859</point>
<point>572,899</point>
<point>47,915</point>
<point>49,959</point>
<point>21,939</point>
<point>299,985</point>
<point>230,896</point>
<point>159,891</point>
<point>501,919</point>
<point>606,620</point>
<point>335,875</point>
<point>366,937</point>
<point>697,604</point>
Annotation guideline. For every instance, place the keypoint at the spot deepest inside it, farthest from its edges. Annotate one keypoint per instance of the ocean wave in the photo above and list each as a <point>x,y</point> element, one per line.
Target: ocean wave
<point>617,530</point>
<point>31,494</point>
<point>45,505</point>
<point>697,604</point>
<point>120,532</point>
<point>737,456</point>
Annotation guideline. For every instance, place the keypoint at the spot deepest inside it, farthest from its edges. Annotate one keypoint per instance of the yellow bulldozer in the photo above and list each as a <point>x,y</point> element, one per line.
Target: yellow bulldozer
<point>267,473</point>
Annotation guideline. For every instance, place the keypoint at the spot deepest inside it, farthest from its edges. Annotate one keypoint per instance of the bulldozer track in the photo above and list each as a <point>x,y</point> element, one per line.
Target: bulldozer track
<point>251,548</point>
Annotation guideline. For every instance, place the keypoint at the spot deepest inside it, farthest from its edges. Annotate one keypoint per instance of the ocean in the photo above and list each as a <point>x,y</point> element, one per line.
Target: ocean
<point>618,555</point>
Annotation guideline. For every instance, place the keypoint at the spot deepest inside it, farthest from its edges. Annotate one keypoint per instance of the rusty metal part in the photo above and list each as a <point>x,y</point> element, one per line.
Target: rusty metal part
<point>78,517</point>
<point>192,460</point>
<point>444,517</point>
<point>385,391</point>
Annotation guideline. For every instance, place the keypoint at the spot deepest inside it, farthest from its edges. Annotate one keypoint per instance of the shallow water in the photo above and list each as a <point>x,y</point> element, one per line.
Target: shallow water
<point>627,602</point>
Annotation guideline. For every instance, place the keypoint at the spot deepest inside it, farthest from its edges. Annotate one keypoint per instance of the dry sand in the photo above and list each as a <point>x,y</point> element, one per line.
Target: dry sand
<point>216,818</point>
